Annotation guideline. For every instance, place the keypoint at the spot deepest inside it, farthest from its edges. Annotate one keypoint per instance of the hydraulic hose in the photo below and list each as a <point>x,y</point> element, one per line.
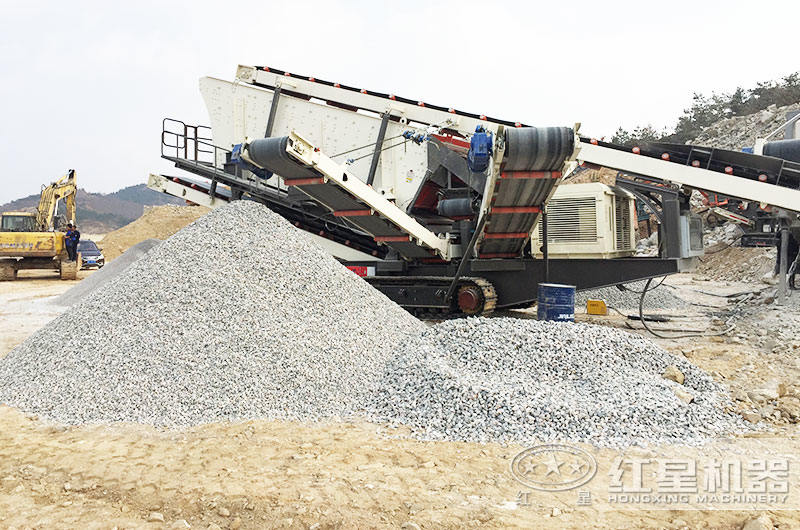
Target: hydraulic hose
<point>660,336</point>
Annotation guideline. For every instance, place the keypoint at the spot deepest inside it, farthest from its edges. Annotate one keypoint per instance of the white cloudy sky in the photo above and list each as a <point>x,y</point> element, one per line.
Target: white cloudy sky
<point>86,84</point>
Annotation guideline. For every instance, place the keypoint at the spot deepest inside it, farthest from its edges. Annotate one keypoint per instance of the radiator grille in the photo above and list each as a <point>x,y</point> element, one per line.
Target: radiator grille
<point>622,213</point>
<point>571,220</point>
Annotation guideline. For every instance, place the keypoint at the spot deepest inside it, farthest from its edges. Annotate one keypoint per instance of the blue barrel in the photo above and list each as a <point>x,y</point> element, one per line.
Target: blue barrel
<point>556,302</point>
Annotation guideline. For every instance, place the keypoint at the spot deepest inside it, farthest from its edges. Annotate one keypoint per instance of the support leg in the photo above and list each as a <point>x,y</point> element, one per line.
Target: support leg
<point>784,264</point>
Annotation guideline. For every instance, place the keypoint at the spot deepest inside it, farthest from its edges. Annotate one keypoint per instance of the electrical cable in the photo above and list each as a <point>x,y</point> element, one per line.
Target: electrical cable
<point>652,318</point>
<point>617,310</point>
<point>682,336</point>
<point>723,248</point>
<point>792,272</point>
<point>382,150</point>
<point>436,126</point>
<point>623,287</point>
<point>365,146</point>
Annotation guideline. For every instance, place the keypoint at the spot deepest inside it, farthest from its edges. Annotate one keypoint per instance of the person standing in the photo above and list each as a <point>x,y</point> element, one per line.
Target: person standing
<point>71,239</point>
<point>76,237</point>
<point>68,241</point>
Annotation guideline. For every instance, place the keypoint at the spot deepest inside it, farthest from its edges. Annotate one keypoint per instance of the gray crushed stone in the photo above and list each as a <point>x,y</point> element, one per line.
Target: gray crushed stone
<point>481,379</point>
<point>659,298</point>
<point>237,316</point>
<point>240,316</point>
<point>106,273</point>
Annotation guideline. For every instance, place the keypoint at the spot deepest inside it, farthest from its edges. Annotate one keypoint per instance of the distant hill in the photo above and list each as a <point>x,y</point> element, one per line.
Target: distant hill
<point>99,213</point>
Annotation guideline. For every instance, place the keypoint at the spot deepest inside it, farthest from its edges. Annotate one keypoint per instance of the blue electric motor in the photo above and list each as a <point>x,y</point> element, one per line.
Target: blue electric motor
<point>236,158</point>
<point>480,149</point>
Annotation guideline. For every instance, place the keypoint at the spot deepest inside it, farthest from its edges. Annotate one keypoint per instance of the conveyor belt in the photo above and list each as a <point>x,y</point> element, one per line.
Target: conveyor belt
<point>384,223</point>
<point>763,179</point>
<point>219,192</point>
<point>530,171</point>
<point>768,169</point>
<point>205,194</point>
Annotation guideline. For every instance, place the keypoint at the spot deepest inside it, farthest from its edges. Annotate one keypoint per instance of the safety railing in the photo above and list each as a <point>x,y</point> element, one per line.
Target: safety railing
<point>189,142</point>
<point>193,144</point>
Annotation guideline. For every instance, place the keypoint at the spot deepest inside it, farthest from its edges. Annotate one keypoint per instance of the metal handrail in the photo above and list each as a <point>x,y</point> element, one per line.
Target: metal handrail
<point>196,136</point>
<point>190,143</point>
<point>782,127</point>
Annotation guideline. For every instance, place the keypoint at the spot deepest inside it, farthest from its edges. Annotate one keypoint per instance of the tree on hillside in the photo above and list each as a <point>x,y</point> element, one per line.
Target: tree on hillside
<point>639,134</point>
<point>706,110</point>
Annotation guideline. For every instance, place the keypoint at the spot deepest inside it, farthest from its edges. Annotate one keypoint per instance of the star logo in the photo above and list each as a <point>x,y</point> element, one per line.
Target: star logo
<point>527,467</point>
<point>577,467</point>
<point>553,465</point>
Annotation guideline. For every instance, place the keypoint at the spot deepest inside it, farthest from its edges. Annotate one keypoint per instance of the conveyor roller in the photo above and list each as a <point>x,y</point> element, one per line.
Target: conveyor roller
<point>530,170</point>
<point>785,149</point>
<point>270,154</point>
<point>537,148</point>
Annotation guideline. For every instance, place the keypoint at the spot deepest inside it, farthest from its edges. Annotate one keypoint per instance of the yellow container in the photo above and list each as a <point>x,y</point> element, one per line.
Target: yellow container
<point>596,307</point>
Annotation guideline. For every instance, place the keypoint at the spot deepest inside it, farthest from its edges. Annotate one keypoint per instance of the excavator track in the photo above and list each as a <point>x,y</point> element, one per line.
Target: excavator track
<point>487,293</point>
<point>423,296</point>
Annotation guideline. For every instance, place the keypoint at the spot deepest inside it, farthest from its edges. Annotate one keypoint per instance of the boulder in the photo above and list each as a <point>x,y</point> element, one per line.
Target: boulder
<point>672,373</point>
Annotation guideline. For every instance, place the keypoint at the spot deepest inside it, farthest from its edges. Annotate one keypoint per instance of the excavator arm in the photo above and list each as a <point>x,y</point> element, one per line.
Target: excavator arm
<point>70,201</point>
<point>64,188</point>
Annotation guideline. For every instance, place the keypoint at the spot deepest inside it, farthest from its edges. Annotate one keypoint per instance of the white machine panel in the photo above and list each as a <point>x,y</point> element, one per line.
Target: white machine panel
<point>239,111</point>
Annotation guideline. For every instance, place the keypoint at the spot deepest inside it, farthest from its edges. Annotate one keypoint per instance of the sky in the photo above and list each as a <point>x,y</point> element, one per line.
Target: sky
<point>85,85</point>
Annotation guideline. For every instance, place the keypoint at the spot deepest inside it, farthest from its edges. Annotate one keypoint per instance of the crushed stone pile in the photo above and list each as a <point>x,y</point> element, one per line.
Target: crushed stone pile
<point>106,273</point>
<point>661,297</point>
<point>157,222</point>
<point>482,379</point>
<point>741,131</point>
<point>722,236</point>
<point>736,264</point>
<point>648,246</point>
<point>603,175</point>
<point>237,316</point>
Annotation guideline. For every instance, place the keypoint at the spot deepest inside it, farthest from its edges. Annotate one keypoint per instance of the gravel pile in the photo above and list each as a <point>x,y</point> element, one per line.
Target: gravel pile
<point>659,298</point>
<point>721,236</point>
<point>737,264</point>
<point>484,379</point>
<point>648,246</point>
<point>239,315</point>
<point>106,273</point>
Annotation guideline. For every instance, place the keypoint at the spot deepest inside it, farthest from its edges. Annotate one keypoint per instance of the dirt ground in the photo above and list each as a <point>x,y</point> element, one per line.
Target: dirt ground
<point>264,474</point>
<point>157,222</point>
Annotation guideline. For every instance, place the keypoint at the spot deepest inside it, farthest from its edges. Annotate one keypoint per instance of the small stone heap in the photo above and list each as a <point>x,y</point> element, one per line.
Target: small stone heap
<point>627,299</point>
<point>483,379</point>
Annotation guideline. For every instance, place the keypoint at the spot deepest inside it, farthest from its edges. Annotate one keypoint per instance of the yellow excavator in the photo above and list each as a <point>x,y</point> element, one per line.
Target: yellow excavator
<point>36,240</point>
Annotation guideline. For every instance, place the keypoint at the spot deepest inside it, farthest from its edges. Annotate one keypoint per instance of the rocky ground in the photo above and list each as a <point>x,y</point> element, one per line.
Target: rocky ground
<point>348,475</point>
<point>742,131</point>
<point>757,360</point>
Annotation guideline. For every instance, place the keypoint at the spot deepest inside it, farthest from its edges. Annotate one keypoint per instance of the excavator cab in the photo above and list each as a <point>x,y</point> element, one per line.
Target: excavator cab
<point>35,240</point>
<point>18,222</point>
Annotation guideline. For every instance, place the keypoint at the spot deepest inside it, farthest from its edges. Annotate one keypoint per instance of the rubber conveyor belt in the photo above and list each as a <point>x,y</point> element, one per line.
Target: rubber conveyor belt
<point>777,166</point>
<point>763,179</point>
<point>272,154</point>
<point>530,171</point>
